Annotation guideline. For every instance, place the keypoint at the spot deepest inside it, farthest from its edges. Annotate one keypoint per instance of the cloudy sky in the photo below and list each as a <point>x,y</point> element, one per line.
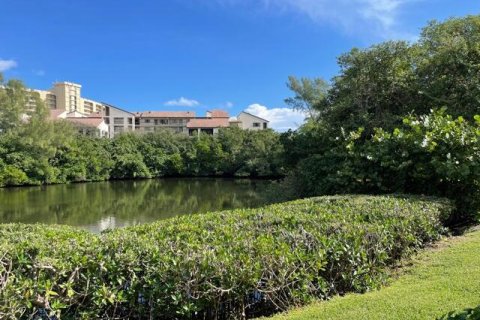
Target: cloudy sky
<point>200,54</point>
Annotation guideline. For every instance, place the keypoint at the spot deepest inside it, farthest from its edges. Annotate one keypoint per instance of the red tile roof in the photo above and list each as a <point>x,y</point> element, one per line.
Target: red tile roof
<point>208,123</point>
<point>219,114</point>
<point>86,122</point>
<point>165,114</point>
<point>55,113</point>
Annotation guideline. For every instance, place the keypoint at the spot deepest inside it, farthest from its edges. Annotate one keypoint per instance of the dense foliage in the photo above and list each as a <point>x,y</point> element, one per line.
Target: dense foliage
<point>399,117</point>
<point>226,264</point>
<point>434,154</point>
<point>467,314</point>
<point>35,150</point>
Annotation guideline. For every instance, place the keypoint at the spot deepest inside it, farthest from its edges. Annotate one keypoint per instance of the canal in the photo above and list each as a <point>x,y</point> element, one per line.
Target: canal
<point>102,205</point>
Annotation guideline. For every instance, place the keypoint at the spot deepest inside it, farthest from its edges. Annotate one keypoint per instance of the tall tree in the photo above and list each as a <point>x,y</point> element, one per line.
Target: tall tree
<point>375,87</point>
<point>449,71</point>
<point>309,96</point>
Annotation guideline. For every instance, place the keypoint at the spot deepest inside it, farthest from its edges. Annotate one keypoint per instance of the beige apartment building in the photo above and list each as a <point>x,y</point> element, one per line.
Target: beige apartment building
<point>86,124</point>
<point>248,121</point>
<point>105,120</point>
<point>176,121</point>
<point>67,96</point>
<point>214,120</point>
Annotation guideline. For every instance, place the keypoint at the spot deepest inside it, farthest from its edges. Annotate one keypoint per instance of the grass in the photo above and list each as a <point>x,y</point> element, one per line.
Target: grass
<point>439,280</point>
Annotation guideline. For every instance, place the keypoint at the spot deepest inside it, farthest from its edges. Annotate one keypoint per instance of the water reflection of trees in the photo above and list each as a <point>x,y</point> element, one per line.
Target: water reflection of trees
<point>129,202</point>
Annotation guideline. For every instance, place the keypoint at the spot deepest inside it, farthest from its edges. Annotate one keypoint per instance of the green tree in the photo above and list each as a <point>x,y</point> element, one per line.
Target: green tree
<point>310,95</point>
<point>376,87</point>
<point>449,71</point>
<point>127,159</point>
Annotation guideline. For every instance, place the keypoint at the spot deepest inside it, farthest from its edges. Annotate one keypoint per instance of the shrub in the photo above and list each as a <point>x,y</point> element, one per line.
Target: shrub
<point>434,155</point>
<point>467,314</point>
<point>227,264</point>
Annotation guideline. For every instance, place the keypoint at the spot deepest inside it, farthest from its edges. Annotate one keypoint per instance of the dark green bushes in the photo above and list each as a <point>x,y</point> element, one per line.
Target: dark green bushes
<point>73,158</point>
<point>467,314</point>
<point>218,265</point>
<point>433,155</point>
<point>351,144</point>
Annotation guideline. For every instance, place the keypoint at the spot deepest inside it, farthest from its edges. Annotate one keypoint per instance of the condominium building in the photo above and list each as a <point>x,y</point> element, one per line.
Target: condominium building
<point>105,120</point>
<point>248,121</point>
<point>176,121</point>
<point>214,120</point>
<point>67,96</point>
<point>87,124</point>
<point>117,120</point>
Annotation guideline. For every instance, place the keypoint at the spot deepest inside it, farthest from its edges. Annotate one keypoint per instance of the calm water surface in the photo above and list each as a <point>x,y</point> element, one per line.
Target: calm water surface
<point>102,205</point>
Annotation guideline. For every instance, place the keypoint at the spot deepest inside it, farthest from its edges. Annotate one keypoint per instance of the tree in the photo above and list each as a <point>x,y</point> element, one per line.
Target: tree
<point>376,87</point>
<point>128,161</point>
<point>449,71</point>
<point>309,96</point>
<point>17,104</point>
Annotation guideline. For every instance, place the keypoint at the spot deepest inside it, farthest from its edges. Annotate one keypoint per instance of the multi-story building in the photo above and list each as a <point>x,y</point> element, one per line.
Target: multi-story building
<point>210,124</point>
<point>67,96</point>
<point>248,121</point>
<point>87,124</point>
<point>117,120</point>
<point>175,121</point>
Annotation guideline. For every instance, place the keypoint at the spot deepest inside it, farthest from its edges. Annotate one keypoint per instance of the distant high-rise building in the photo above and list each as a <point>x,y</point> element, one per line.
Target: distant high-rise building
<point>67,96</point>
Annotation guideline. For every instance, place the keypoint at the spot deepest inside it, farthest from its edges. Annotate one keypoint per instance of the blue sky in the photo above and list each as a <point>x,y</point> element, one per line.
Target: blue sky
<point>200,54</point>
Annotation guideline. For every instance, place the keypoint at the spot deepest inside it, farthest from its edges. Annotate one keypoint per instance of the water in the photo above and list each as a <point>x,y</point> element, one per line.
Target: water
<point>102,205</point>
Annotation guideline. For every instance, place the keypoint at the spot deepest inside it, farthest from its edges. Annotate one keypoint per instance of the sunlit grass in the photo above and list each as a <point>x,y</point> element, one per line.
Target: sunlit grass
<point>440,280</point>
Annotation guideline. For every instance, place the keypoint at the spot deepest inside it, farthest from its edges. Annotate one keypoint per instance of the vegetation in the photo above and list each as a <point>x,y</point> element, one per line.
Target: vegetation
<point>35,150</point>
<point>438,285</point>
<point>433,154</point>
<point>399,117</point>
<point>227,264</point>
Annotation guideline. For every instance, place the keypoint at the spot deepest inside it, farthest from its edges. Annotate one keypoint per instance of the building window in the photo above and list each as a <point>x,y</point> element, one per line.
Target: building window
<point>107,120</point>
<point>118,120</point>
<point>163,121</point>
<point>137,121</point>
<point>130,120</point>
<point>147,120</point>
<point>155,121</point>
<point>264,125</point>
<point>117,129</point>
<point>256,125</point>
<point>107,111</point>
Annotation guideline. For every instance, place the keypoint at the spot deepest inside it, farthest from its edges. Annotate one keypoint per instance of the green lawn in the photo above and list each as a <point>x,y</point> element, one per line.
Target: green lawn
<point>440,280</point>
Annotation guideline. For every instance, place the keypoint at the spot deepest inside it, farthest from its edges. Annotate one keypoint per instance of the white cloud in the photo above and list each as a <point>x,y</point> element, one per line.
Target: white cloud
<point>228,104</point>
<point>182,102</point>
<point>281,119</point>
<point>7,64</point>
<point>380,17</point>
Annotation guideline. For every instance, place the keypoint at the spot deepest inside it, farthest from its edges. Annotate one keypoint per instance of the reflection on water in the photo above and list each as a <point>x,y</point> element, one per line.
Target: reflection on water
<point>98,206</point>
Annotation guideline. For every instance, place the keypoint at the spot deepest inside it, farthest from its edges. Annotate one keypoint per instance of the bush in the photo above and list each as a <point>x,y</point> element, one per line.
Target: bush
<point>467,314</point>
<point>434,155</point>
<point>230,264</point>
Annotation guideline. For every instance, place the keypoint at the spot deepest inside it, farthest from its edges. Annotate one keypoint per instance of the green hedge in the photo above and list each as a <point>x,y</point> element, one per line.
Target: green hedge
<point>217,265</point>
